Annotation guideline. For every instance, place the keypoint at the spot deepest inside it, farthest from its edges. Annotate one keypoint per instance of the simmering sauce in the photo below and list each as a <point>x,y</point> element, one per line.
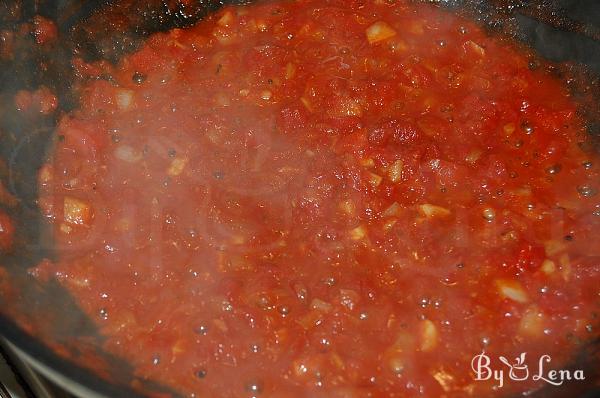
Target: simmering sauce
<point>326,199</point>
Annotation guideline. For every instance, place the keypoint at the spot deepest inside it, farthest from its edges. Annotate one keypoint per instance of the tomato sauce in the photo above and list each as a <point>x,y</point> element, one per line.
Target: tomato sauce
<point>7,231</point>
<point>327,199</point>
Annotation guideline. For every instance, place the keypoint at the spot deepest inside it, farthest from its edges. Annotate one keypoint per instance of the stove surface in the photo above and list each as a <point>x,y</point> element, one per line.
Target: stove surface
<point>19,380</point>
<point>9,387</point>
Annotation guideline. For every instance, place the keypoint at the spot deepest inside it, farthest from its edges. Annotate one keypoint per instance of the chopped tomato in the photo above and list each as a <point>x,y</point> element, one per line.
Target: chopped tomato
<point>7,232</point>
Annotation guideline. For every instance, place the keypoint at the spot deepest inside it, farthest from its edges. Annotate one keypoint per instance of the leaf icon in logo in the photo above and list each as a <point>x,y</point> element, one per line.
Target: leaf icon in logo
<point>504,361</point>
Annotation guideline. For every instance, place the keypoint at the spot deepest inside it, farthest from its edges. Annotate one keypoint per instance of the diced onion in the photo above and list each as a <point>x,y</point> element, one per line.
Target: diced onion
<point>392,210</point>
<point>379,31</point>
<point>488,213</point>
<point>397,45</point>
<point>480,83</point>
<point>177,166</point>
<point>430,211</point>
<point>124,99</point>
<point>553,247</point>
<point>512,290</point>
<point>375,179</point>
<point>358,233</point>
<point>548,267</point>
<point>222,99</point>
<point>532,322</point>
<point>396,363</point>
<point>45,174</point>
<point>221,325</point>
<point>429,335</point>
<point>310,320</point>
<point>290,71</point>
<point>395,171</point>
<point>475,48</point>
<point>238,239</point>
<point>337,361</point>
<point>127,154</point>
<point>124,224</point>
<point>227,263</point>
<point>224,36</point>
<point>389,224</point>
<point>320,305</point>
<point>509,128</point>
<point>226,19</point>
<point>348,207</point>
<point>76,211</point>
<point>404,340</point>
<point>522,191</point>
<point>307,104</point>
<point>262,25</point>
<point>473,156</point>
<point>65,229</point>
<point>444,379</point>
<point>266,95</point>
<point>367,162</point>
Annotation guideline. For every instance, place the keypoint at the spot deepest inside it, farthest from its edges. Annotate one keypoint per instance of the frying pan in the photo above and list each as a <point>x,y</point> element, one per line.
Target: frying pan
<point>66,346</point>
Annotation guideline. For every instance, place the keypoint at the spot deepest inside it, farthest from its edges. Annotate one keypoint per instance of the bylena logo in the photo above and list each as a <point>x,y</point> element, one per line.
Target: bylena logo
<point>518,370</point>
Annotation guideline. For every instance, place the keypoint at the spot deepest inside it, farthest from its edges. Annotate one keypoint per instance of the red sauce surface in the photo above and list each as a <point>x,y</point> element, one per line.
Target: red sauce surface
<point>44,30</point>
<point>327,199</point>
<point>7,231</point>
